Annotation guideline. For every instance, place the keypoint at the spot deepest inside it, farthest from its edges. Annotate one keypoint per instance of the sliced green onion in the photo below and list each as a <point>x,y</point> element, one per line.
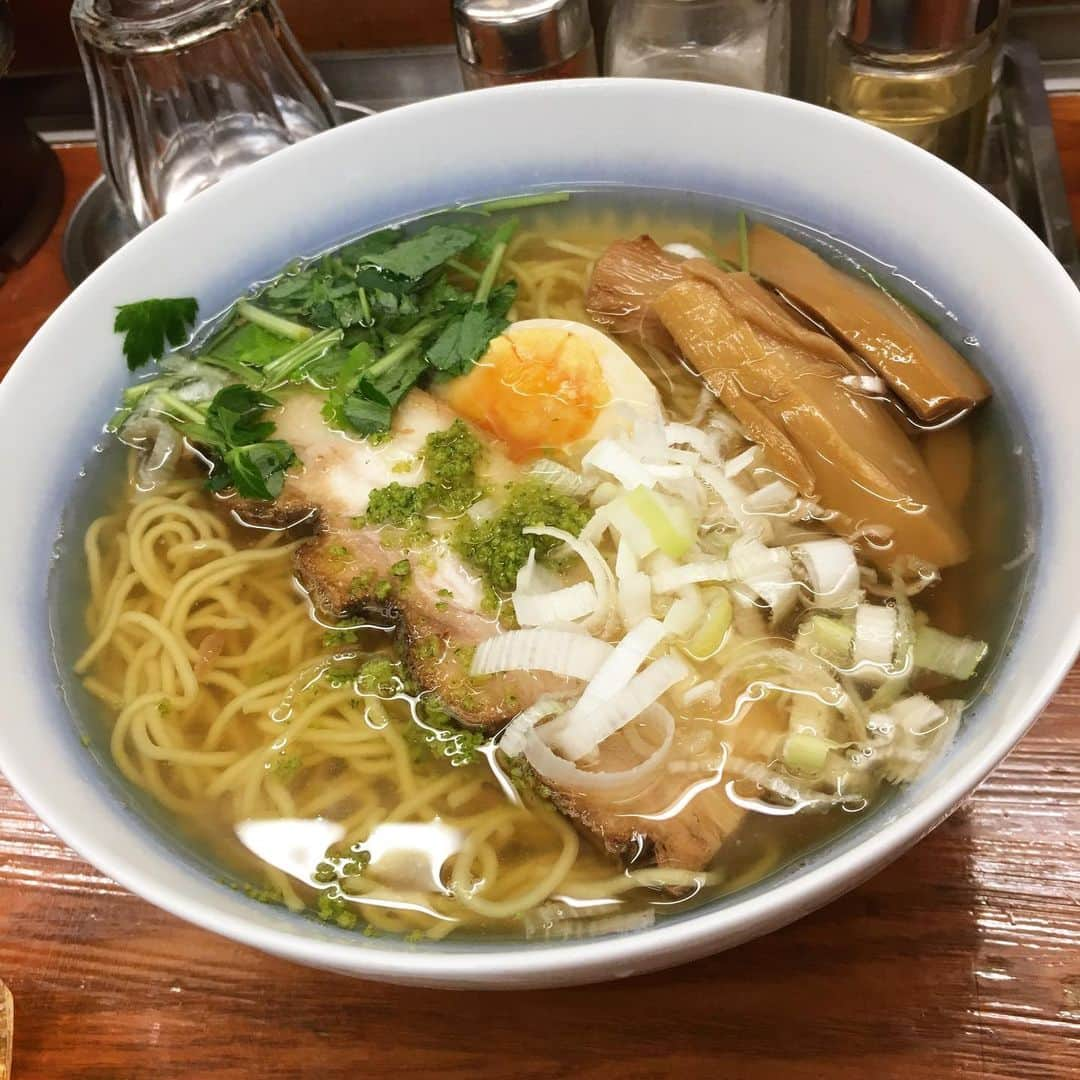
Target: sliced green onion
<point>518,202</point>
<point>671,527</point>
<point>724,264</point>
<point>830,638</point>
<point>946,654</point>
<point>713,630</point>
<point>805,753</point>
<point>744,244</point>
<point>274,323</point>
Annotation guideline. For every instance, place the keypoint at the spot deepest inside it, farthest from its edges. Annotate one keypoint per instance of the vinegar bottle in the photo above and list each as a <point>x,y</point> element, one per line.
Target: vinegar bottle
<point>922,69</point>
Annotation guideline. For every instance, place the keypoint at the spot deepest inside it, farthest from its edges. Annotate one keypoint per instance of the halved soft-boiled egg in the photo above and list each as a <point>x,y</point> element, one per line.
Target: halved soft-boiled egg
<point>553,384</point>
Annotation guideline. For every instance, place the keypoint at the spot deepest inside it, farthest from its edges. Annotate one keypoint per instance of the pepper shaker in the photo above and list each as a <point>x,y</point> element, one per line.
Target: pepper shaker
<point>510,41</point>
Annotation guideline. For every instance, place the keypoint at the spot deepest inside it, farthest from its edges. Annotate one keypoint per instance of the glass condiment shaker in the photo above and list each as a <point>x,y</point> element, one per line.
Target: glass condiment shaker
<point>510,41</point>
<point>734,42</point>
<point>186,91</point>
<point>922,69</point>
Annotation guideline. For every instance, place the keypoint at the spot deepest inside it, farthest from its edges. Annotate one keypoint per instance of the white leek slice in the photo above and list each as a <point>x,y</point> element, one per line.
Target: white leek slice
<point>612,456</point>
<point>565,774</point>
<point>622,662</point>
<point>684,614</point>
<point>945,654</point>
<point>875,641</point>
<point>512,739</point>
<point>767,572</point>
<point>634,600</point>
<point>629,527</point>
<point>670,525</point>
<point>705,443</point>
<point>805,753</point>
<point>559,606</point>
<point>772,498</point>
<point>740,462</point>
<point>561,652</point>
<point>692,573</point>
<point>558,476</point>
<point>713,631</point>
<point>732,497</point>
<point>829,639</point>
<point>918,715</point>
<point>594,563</point>
<point>831,570</point>
<point>582,730</point>
<point>534,578</point>
<point>626,560</point>
<point>699,690</point>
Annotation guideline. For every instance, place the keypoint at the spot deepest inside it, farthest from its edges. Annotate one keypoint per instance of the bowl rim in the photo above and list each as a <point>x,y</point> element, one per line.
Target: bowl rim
<point>523,963</point>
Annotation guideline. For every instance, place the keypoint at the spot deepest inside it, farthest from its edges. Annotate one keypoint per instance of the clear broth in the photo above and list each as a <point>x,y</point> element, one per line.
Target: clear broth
<point>981,598</point>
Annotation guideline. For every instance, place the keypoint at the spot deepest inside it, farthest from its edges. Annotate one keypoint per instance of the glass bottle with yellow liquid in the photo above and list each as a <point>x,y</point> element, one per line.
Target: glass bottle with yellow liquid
<point>922,69</point>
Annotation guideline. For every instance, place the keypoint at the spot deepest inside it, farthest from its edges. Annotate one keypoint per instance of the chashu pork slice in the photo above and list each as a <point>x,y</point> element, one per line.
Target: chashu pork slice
<point>348,568</point>
<point>684,817</point>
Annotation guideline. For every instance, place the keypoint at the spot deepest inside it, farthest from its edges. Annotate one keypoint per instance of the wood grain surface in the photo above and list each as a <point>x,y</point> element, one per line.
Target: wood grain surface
<point>961,959</point>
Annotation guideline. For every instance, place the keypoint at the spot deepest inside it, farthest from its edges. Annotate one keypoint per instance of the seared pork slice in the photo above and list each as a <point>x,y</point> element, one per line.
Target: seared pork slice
<point>683,818</point>
<point>351,570</point>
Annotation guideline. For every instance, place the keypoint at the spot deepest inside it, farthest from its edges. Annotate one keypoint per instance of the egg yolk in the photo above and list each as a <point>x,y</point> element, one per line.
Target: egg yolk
<point>533,389</point>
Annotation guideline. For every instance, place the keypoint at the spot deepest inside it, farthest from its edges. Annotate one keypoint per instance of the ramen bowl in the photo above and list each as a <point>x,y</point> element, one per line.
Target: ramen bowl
<point>792,160</point>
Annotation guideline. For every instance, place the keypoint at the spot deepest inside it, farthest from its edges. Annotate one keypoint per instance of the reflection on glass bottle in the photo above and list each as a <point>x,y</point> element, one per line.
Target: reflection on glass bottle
<point>734,42</point>
<point>922,69</point>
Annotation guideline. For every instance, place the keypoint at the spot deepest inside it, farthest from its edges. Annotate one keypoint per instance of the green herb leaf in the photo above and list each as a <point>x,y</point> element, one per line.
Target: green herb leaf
<point>258,470</point>
<point>464,340</point>
<point>234,415</point>
<point>418,255</point>
<point>251,345</point>
<point>147,325</point>
<point>374,277</point>
<point>364,416</point>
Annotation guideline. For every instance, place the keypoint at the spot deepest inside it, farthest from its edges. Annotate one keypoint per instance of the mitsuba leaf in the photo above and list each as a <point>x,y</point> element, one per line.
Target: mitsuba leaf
<point>235,412</point>
<point>360,250</point>
<point>364,416</point>
<point>251,345</point>
<point>374,277</point>
<point>258,470</point>
<point>418,255</point>
<point>148,324</point>
<point>345,383</point>
<point>391,386</point>
<point>465,338</point>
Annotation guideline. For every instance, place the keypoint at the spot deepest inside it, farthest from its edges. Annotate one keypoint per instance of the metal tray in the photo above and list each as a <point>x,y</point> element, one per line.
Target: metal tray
<point>1021,164</point>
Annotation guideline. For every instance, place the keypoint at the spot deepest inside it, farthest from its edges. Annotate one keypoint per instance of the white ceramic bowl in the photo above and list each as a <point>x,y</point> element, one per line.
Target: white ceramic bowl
<point>848,179</point>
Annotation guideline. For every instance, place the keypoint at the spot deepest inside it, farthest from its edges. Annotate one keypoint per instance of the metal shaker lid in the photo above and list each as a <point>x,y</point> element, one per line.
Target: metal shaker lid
<point>915,26</point>
<point>518,36</point>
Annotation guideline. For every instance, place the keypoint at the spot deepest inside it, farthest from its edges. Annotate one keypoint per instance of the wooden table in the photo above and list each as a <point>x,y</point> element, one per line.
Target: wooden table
<point>961,959</point>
